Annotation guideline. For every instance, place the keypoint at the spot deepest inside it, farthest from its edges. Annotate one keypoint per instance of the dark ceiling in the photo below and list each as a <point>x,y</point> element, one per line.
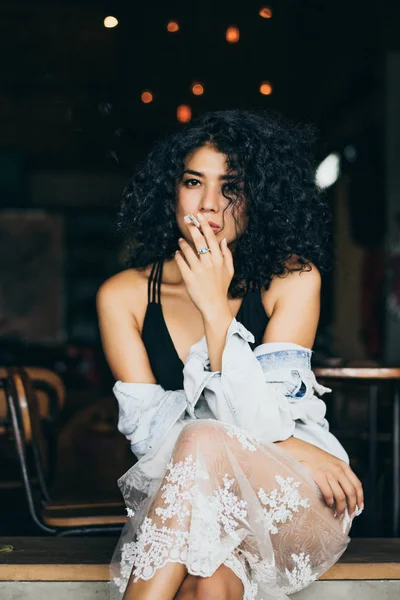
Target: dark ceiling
<point>70,89</point>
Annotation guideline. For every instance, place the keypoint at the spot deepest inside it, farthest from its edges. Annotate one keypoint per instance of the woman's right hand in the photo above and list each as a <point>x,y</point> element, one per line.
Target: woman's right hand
<point>337,481</point>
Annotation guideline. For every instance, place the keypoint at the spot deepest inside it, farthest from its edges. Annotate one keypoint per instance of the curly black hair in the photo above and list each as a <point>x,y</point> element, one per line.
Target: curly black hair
<point>272,161</point>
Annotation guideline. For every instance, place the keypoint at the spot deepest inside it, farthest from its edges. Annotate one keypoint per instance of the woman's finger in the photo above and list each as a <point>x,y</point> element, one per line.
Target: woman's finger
<point>199,241</point>
<point>339,494</point>
<point>326,490</point>
<point>357,485</point>
<point>228,256</point>
<point>210,236</point>
<point>183,266</point>
<point>188,253</point>
<point>350,491</point>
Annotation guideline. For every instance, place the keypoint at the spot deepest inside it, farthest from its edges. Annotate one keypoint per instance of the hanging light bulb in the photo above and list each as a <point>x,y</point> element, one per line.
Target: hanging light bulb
<point>147,97</point>
<point>184,113</point>
<point>266,88</point>
<point>265,12</point>
<point>197,89</point>
<point>110,22</point>
<point>173,26</point>
<point>232,34</point>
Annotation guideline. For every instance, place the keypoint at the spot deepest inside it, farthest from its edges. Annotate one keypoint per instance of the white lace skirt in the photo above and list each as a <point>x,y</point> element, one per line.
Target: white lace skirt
<point>214,495</point>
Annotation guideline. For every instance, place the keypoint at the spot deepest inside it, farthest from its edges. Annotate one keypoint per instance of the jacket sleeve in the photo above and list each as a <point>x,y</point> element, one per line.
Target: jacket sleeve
<point>147,412</point>
<point>264,391</point>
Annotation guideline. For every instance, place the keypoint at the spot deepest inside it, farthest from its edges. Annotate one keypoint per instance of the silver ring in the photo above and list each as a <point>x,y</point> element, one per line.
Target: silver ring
<point>203,251</point>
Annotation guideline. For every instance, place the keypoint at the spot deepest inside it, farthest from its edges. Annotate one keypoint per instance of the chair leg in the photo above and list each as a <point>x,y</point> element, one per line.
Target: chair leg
<point>396,459</point>
<point>373,429</point>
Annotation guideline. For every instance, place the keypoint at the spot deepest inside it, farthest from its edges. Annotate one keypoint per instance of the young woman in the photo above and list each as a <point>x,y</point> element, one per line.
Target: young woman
<point>240,490</point>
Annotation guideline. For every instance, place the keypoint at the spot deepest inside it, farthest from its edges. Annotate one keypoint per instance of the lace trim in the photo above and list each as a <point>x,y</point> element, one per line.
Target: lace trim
<point>301,575</point>
<point>282,504</point>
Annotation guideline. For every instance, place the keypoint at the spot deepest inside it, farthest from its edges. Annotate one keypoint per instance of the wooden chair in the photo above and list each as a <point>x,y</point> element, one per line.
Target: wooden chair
<point>50,394</point>
<point>375,377</point>
<point>54,516</point>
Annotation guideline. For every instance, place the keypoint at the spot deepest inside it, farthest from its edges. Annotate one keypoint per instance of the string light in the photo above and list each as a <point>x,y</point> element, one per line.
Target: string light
<point>232,35</point>
<point>184,113</point>
<point>266,88</point>
<point>147,97</point>
<point>110,22</point>
<point>265,12</point>
<point>172,26</point>
<point>197,89</point>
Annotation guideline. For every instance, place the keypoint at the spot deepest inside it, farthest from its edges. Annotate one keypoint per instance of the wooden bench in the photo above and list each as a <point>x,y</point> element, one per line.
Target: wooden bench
<point>87,559</point>
<point>71,568</point>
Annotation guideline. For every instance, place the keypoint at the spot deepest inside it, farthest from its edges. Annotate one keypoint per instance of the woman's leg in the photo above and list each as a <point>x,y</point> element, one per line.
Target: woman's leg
<point>164,584</point>
<point>237,484</point>
<point>223,584</point>
<point>188,589</point>
<point>168,579</point>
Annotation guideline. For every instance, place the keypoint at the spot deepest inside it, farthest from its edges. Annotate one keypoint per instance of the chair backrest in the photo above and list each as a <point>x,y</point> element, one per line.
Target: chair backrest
<point>50,392</point>
<point>27,435</point>
<point>47,383</point>
<point>31,426</point>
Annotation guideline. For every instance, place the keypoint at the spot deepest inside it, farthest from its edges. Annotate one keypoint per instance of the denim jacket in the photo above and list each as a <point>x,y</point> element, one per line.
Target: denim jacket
<point>269,391</point>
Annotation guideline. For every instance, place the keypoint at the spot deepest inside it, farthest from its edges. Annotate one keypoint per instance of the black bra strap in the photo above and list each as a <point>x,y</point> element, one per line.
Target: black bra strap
<point>159,277</point>
<point>150,285</point>
<point>154,283</point>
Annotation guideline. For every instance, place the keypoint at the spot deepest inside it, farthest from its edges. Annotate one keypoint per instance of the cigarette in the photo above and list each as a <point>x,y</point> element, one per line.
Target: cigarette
<point>194,220</point>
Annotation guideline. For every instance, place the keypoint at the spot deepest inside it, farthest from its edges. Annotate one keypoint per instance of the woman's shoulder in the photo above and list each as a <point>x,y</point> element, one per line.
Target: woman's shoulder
<point>298,280</point>
<point>297,275</point>
<point>125,288</point>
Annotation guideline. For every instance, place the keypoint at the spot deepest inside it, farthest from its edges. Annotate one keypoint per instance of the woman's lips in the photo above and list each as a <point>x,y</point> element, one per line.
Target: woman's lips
<point>214,226</point>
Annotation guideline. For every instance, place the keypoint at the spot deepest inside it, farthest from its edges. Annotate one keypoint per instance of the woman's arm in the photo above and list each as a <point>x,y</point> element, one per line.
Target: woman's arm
<point>295,318</point>
<point>146,410</point>
<point>337,481</point>
<point>123,347</point>
<point>293,303</point>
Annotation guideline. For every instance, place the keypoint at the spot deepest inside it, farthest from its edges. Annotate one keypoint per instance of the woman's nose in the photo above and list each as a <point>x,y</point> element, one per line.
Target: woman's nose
<point>210,200</point>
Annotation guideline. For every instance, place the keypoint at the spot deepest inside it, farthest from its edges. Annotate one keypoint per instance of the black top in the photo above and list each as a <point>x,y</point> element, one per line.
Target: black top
<point>164,359</point>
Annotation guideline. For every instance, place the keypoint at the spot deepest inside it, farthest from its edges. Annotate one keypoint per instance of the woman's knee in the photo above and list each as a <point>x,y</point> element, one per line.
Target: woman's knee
<point>222,585</point>
<point>201,431</point>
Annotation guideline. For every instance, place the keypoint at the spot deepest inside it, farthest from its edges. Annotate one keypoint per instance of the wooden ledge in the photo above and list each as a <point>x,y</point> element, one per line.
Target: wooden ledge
<point>57,559</point>
<point>357,372</point>
<point>87,559</point>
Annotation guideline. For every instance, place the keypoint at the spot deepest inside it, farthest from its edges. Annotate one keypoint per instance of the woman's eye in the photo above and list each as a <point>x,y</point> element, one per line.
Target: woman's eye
<point>191,182</point>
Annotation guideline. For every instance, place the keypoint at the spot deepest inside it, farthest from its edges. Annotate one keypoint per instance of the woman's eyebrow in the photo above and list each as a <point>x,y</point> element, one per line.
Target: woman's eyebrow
<point>198,174</point>
<point>190,172</point>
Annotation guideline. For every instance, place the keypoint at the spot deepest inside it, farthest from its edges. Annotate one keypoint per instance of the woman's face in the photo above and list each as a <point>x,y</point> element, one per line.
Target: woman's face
<point>200,191</point>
